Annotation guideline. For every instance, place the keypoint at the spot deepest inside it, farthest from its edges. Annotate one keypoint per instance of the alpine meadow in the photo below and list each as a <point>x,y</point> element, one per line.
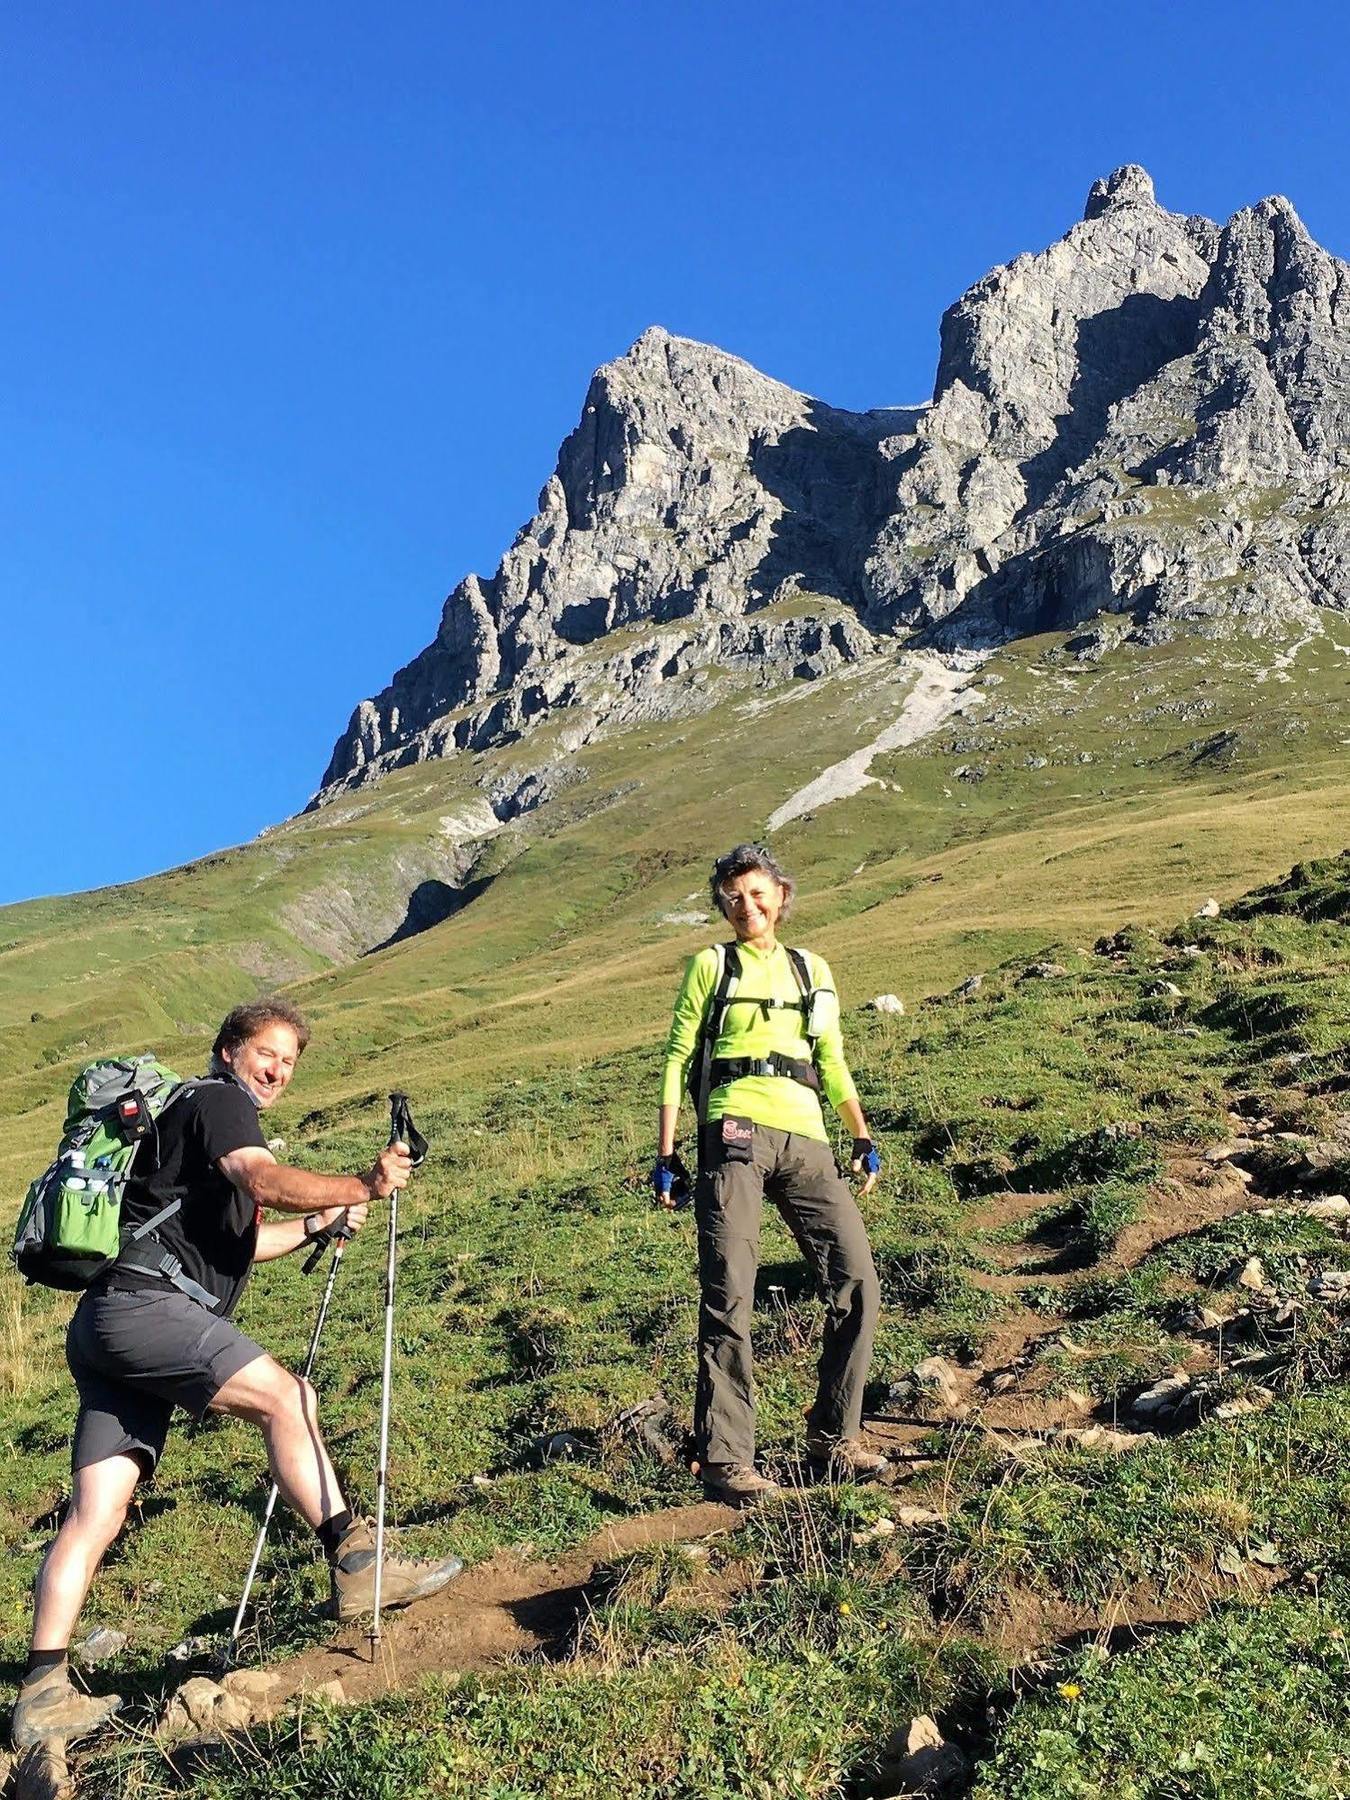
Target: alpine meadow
<point>1040,692</point>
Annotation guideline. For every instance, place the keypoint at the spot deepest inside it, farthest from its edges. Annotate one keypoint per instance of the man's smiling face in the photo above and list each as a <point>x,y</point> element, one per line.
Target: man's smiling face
<point>266,1062</point>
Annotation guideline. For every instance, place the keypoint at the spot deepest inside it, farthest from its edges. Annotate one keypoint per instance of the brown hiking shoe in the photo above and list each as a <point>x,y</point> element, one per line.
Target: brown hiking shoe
<point>846,1459</point>
<point>50,1710</point>
<point>406,1578</point>
<point>736,1484</point>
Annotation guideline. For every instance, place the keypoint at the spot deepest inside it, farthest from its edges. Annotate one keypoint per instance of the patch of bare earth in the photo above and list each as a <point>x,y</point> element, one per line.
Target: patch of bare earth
<point>506,1607</point>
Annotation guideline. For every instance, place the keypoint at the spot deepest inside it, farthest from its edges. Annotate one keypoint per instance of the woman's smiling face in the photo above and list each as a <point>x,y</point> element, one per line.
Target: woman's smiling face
<point>753,902</point>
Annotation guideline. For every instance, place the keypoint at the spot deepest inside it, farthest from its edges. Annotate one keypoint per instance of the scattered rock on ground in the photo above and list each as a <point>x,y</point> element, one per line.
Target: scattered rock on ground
<point>1204,1318</point>
<point>1253,1275</point>
<point>1044,971</point>
<point>649,1425</point>
<point>1331,1287</point>
<point>883,1527</point>
<point>938,1382</point>
<point>102,1644</point>
<point>1102,1437</point>
<point>918,1760</point>
<point>1164,1396</point>
<point>251,1685</point>
<point>1158,990</point>
<point>910,1518</point>
<point>887,1003</point>
<point>1210,910</point>
<point>971,985</point>
<point>1332,1206</point>
<point>203,1708</point>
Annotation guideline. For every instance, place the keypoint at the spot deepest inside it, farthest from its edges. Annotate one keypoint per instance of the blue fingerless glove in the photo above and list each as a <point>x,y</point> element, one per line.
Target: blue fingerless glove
<point>866,1157</point>
<point>670,1180</point>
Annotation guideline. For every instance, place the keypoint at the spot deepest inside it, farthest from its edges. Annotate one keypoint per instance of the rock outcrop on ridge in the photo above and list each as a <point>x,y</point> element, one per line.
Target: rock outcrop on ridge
<point>1145,427</point>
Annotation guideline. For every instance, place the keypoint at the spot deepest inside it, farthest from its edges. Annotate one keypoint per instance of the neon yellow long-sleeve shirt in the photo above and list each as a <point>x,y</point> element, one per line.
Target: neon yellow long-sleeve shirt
<point>751,1030</point>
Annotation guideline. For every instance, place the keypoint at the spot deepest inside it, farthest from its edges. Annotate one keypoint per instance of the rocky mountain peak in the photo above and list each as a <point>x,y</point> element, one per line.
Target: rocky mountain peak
<point>1150,417</point>
<point>1127,186</point>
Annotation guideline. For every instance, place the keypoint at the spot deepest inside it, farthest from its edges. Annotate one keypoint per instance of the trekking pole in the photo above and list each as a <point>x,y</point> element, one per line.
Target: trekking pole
<point>401,1131</point>
<point>339,1237</point>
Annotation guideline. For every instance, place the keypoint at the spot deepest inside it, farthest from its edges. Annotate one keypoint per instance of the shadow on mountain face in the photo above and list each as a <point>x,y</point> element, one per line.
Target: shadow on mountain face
<point>833,481</point>
<point>430,903</point>
<point>1117,351</point>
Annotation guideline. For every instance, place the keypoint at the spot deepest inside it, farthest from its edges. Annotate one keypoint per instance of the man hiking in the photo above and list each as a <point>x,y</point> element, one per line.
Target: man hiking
<point>155,1331</point>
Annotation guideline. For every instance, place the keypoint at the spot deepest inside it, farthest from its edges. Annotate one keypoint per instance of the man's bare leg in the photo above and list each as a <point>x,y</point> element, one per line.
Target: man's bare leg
<point>48,1707</point>
<point>284,1406</point>
<point>98,1506</point>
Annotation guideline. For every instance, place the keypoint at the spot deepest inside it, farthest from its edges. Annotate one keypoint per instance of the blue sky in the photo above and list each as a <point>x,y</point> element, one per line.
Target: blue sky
<point>301,298</point>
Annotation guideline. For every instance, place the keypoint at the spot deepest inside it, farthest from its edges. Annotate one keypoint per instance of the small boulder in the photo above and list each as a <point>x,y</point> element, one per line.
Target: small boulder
<point>1164,1396</point>
<point>1044,971</point>
<point>1331,1287</point>
<point>1253,1276</point>
<point>1206,1319</point>
<point>203,1708</point>
<point>910,1518</point>
<point>883,1527</point>
<point>253,1686</point>
<point>939,1383</point>
<point>1160,990</point>
<point>918,1760</point>
<point>1210,910</point>
<point>887,1003</point>
<point>102,1644</point>
<point>1331,1206</point>
<point>971,985</point>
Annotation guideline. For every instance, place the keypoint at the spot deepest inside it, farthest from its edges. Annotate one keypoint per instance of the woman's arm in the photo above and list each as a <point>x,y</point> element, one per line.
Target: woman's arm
<point>681,1042</point>
<point>837,1082</point>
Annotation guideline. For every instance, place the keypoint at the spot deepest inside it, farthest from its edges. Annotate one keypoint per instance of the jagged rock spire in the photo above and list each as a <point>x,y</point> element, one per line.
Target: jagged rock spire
<point>1151,417</point>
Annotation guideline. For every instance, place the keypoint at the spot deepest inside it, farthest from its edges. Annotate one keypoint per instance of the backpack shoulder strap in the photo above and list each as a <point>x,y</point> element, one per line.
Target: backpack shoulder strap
<point>714,1013</point>
<point>802,970</point>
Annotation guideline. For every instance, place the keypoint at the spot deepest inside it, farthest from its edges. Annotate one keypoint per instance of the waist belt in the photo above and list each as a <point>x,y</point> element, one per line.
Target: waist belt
<point>733,1068</point>
<point>170,1268</point>
<point>160,1261</point>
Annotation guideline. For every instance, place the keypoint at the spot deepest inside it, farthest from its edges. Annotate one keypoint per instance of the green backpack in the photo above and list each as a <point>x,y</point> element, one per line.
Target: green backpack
<point>69,1229</point>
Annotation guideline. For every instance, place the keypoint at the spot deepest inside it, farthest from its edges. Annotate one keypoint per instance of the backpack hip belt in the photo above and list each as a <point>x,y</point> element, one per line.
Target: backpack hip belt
<point>733,1068</point>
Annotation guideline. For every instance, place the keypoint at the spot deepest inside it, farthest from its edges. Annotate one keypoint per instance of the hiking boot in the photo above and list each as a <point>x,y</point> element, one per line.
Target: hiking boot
<point>736,1484</point>
<point>406,1578</point>
<point>50,1710</point>
<point>846,1459</point>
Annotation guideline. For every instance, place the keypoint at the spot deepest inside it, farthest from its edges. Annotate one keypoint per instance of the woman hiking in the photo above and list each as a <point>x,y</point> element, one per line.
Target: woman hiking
<point>756,1033</point>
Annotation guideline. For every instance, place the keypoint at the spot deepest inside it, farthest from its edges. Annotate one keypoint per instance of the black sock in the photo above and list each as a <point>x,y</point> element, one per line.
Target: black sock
<point>39,1661</point>
<point>331,1533</point>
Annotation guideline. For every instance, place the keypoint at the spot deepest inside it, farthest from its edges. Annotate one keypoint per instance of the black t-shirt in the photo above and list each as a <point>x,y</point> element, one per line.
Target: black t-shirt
<point>215,1231</point>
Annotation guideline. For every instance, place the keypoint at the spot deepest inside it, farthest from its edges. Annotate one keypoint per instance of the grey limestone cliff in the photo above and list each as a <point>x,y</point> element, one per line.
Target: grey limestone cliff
<point>1149,420</point>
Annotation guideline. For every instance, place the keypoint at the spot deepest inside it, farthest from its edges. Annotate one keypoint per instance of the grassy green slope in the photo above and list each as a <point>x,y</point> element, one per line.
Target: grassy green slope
<point>539,1290</point>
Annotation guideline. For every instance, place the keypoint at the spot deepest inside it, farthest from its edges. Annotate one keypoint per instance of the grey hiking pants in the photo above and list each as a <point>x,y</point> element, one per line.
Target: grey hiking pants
<point>799,1175</point>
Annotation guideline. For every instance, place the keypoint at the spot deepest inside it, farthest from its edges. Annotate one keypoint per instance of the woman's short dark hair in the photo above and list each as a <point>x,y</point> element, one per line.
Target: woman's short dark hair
<point>245,1022</point>
<point>749,859</point>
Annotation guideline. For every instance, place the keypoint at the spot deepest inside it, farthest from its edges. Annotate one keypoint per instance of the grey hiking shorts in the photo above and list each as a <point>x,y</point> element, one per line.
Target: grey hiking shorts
<point>135,1356</point>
